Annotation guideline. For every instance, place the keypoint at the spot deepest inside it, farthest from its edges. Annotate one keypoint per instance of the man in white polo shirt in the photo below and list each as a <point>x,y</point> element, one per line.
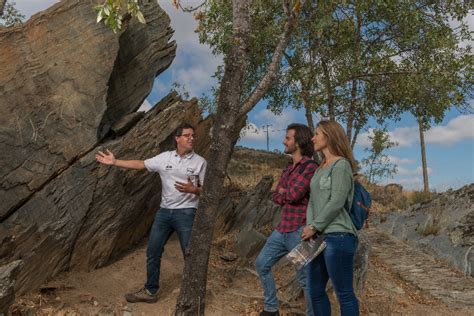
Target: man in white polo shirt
<point>182,175</point>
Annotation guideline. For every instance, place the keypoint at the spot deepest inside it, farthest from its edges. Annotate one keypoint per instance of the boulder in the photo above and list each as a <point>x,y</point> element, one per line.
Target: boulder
<point>64,81</point>
<point>91,214</point>
<point>69,87</point>
<point>442,226</point>
<point>249,242</point>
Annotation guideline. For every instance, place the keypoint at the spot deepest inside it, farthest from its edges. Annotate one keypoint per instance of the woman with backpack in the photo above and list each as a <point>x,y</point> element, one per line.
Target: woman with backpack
<point>332,190</point>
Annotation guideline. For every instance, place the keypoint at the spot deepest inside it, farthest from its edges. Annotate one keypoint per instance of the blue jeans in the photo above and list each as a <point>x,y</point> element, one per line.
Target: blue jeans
<point>277,246</point>
<point>335,263</point>
<point>166,221</point>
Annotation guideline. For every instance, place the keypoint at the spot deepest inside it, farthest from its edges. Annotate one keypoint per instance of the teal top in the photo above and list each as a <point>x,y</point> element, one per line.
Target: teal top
<point>331,197</point>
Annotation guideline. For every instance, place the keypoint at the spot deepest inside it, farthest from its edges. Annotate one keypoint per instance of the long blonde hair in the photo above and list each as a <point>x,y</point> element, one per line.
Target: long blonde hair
<point>337,141</point>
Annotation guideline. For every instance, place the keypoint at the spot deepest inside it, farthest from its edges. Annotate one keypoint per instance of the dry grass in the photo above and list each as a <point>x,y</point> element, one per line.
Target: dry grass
<point>248,166</point>
<point>432,228</point>
<point>420,196</point>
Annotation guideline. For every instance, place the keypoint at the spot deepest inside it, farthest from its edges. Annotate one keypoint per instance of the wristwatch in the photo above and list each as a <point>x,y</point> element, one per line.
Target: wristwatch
<point>311,226</point>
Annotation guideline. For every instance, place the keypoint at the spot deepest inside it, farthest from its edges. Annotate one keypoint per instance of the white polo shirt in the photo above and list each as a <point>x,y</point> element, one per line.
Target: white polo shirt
<point>174,168</point>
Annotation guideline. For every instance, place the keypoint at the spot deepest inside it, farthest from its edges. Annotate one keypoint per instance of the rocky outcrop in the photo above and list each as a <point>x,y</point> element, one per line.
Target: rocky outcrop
<point>64,81</point>
<point>91,213</point>
<point>434,278</point>
<point>8,275</point>
<point>67,84</point>
<point>443,226</point>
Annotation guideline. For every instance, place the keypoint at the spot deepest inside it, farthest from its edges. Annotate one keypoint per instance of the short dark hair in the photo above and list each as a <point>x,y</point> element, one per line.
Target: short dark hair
<point>303,136</point>
<point>179,131</point>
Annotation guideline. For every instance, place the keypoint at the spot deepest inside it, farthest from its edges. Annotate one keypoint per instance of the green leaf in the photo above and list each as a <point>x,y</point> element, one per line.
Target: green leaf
<point>140,17</point>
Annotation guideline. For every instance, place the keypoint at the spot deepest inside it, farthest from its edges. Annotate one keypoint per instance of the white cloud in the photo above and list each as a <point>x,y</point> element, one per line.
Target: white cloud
<point>405,172</point>
<point>469,20</point>
<point>145,107</point>
<point>252,132</point>
<point>413,183</point>
<point>458,129</point>
<point>195,80</point>
<point>278,123</point>
<point>412,178</point>
<point>403,136</point>
<point>400,161</point>
<point>194,64</point>
<point>160,88</point>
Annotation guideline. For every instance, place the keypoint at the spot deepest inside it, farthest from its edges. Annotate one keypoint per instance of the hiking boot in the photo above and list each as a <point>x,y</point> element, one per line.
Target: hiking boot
<point>265,313</point>
<point>142,295</point>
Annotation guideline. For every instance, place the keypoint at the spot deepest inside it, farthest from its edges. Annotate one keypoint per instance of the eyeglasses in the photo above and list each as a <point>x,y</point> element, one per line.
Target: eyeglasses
<point>188,136</point>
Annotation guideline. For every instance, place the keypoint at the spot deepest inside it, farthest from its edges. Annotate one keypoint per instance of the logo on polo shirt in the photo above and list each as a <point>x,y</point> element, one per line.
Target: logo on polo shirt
<point>168,167</point>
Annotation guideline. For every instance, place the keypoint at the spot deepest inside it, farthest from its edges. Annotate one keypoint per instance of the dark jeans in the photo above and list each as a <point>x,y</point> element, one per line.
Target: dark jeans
<point>166,222</point>
<point>335,263</point>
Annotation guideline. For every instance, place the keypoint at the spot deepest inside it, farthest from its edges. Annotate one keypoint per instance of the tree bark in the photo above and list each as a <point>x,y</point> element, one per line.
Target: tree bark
<point>351,112</point>
<point>230,119</point>
<point>426,187</point>
<point>354,137</point>
<point>2,6</point>
<point>356,52</point>
<point>308,111</point>
<point>329,90</point>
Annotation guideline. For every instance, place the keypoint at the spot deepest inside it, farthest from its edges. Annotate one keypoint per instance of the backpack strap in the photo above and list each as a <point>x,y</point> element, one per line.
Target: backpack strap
<point>334,164</point>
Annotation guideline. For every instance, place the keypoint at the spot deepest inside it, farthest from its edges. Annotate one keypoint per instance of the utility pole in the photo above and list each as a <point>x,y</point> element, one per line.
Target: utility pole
<point>265,128</point>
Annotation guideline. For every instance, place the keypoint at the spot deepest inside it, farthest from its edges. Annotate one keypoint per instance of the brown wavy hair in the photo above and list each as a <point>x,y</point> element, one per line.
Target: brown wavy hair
<point>338,144</point>
<point>303,137</point>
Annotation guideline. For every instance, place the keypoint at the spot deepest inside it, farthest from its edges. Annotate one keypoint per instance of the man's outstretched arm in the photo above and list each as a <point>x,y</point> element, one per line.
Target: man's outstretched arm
<point>108,158</point>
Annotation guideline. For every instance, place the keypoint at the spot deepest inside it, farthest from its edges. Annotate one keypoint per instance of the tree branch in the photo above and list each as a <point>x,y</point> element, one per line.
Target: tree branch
<point>190,8</point>
<point>274,66</point>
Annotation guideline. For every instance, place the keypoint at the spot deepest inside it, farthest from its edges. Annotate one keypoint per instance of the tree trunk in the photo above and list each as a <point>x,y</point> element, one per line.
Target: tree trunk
<point>353,105</point>
<point>329,90</point>
<point>351,112</point>
<point>230,119</point>
<point>191,299</point>
<point>2,6</point>
<point>371,170</point>
<point>354,138</point>
<point>426,187</point>
<point>308,111</point>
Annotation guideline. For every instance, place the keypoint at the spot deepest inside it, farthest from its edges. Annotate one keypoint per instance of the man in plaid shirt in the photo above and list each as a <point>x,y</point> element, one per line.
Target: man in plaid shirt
<point>292,193</point>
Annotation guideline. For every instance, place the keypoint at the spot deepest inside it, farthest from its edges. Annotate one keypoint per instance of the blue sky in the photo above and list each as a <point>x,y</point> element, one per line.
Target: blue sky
<point>449,145</point>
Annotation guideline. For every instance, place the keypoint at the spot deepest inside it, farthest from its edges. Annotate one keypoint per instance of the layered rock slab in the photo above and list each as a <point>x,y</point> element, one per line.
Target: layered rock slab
<point>443,227</point>
<point>64,81</point>
<point>91,214</point>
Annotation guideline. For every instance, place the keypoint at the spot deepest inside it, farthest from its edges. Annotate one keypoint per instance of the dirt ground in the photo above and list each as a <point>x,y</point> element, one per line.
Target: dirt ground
<point>233,289</point>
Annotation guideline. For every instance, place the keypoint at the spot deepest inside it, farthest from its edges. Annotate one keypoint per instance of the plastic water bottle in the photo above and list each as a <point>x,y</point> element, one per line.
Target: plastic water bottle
<point>306,251</point>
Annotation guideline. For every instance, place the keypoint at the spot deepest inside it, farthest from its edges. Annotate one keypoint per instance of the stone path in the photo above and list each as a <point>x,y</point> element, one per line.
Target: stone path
<point>433,277</point>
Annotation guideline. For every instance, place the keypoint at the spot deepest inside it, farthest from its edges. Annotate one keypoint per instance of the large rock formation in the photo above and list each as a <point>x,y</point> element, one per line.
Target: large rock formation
<point>70,87</point>
<point>90,214</point>
<point>443,226</point>
<point>64,81</point>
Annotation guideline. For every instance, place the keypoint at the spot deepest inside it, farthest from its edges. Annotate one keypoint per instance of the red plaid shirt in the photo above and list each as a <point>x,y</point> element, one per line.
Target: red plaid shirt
<point>296,195</point>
